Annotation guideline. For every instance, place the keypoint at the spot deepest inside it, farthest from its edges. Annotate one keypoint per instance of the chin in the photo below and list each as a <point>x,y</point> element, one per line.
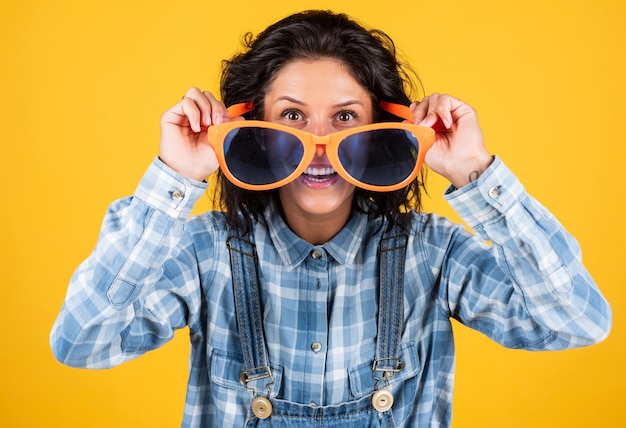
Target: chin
<point>318,202</point>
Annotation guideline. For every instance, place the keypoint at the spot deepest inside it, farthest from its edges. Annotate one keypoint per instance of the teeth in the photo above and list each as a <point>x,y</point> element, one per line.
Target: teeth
<point>319,171</point>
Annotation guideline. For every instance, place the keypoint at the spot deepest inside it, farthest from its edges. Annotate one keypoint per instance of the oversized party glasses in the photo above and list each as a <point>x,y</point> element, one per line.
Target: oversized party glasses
<point>259,155</point>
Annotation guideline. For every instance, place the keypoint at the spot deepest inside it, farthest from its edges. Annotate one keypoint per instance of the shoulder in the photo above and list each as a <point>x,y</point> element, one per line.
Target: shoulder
<point>436,236</point>
<point>206,231</point>
<point>424,224</point>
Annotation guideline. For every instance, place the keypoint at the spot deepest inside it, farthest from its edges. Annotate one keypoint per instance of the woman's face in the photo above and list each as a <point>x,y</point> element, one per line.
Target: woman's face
<point>321,97</point>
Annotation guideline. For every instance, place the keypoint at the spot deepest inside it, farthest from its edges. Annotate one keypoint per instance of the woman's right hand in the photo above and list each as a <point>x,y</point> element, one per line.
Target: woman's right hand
<point>184,145</point>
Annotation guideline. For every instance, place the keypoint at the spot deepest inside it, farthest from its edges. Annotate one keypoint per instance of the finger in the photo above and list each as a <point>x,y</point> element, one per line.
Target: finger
<point>427,112</point>
<point>182,115</point>
<point>420,109</point>
<point>237,118</point>
<point>217,111</point>
<point>443,110</point>
<point>452,110</point>
<point>210,111</point>
<point>192,112</point>
<point>440,113</point>
<point>204,103</point>
<point>434,109</point>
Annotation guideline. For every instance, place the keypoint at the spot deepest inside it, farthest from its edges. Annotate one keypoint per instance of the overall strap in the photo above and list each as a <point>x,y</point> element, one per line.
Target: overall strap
<point>243,261</point>
<point>391,255</point>
<point>391,300</point>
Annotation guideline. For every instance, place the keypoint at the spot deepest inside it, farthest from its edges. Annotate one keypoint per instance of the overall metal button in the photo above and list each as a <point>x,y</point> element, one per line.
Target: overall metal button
<point>261,407</point>
<point>316,254</point>
<point>382,400</point>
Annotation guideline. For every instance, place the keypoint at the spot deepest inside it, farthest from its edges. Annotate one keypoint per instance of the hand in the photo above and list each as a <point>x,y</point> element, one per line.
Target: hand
<point>184,146</point>
<point>459,151</point>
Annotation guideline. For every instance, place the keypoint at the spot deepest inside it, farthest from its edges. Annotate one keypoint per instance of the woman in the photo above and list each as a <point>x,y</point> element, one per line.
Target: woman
<point>323,292</point>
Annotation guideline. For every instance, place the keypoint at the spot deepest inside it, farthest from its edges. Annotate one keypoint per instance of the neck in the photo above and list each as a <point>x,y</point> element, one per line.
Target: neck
<point>316,229</point>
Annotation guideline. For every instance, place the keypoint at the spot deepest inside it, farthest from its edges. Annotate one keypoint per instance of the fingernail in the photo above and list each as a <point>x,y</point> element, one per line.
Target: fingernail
<point>218,119</point>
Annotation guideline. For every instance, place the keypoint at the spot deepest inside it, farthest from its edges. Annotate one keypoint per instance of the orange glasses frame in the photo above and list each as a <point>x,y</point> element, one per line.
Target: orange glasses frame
<point>425,136</point>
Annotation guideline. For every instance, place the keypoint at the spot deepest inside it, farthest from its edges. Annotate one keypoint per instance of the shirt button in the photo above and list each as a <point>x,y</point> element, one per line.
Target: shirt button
<point>494,192</point>
<point>316,254</point>
<point>178,195</point>
<point>316,347</point>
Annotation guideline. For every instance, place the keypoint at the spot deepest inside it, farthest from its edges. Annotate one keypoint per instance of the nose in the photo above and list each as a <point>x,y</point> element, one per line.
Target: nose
<point>319,128</point>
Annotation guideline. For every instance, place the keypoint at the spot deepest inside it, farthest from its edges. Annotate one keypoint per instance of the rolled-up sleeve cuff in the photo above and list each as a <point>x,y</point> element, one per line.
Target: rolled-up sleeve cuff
<point>495,191</point>
<point>165,190</point>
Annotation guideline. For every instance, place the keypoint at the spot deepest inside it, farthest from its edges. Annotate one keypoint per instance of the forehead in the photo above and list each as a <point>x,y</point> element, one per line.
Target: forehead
<point>324,78</point>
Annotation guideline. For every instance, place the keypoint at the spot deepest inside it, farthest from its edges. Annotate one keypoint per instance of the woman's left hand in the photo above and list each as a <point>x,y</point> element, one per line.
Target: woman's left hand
<point>459,151</point>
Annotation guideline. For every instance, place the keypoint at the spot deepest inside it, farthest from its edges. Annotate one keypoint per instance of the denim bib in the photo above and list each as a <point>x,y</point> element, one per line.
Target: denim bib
<point>370,411</point>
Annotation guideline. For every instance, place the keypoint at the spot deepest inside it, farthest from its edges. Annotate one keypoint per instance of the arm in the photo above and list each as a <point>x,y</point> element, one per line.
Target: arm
<point>530,290</point>
<point>139,284</point>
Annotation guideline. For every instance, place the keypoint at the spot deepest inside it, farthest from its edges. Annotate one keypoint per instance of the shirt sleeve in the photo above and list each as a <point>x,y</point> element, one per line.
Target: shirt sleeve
<point>123,300</point>
<point>529,289</point>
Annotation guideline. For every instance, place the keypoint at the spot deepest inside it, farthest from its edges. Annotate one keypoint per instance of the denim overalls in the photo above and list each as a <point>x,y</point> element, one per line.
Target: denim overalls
<point>369,411</point>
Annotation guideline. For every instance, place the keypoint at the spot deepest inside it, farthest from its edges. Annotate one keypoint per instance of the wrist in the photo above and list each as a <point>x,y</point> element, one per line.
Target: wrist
<point>470,171</point>
<point>188,173</point>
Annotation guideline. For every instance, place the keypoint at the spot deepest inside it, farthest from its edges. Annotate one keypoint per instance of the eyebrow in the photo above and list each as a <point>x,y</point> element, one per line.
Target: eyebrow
<point>342,104</point>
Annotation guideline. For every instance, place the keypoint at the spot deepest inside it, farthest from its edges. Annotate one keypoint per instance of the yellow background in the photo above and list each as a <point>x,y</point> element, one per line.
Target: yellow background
<point>83,84</point>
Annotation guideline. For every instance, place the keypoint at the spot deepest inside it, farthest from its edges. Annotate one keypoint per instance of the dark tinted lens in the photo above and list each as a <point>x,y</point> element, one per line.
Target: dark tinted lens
<point>381,157</point>
<point>261,156</point>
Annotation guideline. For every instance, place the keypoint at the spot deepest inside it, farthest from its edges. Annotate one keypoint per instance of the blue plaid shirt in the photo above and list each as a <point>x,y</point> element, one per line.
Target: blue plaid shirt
<point>154,270</point>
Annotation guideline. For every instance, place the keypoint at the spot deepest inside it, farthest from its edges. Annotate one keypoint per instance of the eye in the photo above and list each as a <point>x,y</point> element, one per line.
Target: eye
<point>346,115</point>
<point>291,115</point>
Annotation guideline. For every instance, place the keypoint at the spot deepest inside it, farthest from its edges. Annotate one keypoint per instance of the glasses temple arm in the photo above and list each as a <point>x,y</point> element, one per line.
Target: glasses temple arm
<point>397,110</point>
<point>239,109</point>
<point>404,112</point>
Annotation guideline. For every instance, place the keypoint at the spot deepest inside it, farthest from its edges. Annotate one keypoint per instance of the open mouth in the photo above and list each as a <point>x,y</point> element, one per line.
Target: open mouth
<point>319,174</point>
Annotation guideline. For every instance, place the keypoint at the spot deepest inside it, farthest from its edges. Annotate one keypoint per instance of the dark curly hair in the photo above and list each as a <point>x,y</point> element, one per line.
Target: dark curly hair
<point>370,56</point>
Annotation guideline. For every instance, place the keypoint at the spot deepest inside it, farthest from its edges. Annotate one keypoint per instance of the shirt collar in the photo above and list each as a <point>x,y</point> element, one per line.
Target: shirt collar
<point>293,250</point>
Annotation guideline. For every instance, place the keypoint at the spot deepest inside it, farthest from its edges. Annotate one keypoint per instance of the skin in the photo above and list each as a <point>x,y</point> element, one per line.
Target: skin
<point>321,96</point>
